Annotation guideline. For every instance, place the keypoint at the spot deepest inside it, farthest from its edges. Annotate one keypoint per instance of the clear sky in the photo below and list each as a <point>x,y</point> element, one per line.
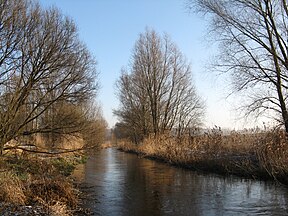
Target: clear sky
<point>110,29</point>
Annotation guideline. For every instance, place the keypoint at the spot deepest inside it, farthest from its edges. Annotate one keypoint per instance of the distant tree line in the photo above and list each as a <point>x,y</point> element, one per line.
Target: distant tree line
<point>47,75</point>
<point>156,92</point>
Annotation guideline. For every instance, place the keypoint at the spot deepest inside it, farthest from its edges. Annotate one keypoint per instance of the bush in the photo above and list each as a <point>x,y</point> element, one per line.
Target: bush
<point>63,166</point>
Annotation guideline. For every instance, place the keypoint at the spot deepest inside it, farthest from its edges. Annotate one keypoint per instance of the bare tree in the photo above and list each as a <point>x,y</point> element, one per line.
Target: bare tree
<point>43,66</point>
<point>94,131</point>
<point>253,36</point>
<point>157,94</point>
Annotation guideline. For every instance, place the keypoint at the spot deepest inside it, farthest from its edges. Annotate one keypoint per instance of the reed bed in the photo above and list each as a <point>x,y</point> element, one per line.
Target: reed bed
<point>253,154</point>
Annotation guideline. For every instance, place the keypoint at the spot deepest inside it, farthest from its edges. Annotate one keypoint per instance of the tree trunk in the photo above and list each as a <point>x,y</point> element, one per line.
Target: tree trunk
<point>283,109</point>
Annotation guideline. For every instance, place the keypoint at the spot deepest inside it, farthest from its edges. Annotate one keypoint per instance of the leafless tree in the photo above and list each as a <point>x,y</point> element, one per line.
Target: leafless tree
<point>43,67</point>
<point>94,131</point>
<point>254,50</point>
<point>156,93</point>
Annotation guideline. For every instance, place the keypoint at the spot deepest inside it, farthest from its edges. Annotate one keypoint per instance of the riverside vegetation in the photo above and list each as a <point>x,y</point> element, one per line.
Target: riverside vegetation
<point>48,79</point>
<point>159,104</point>
<point>33,185</point>
<point>253,154</point>
<point>48,113</point>
<point>38,181</point>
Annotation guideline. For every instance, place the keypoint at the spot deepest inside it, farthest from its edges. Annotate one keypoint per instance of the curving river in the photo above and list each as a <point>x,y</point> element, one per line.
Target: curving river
<point>118,183</point>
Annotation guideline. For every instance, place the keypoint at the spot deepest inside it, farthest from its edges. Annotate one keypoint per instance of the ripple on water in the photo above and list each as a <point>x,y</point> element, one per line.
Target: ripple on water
<point>124,184</point>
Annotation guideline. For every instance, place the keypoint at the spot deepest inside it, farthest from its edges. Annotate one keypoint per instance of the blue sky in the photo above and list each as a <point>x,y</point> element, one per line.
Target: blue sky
<point>110,29</point>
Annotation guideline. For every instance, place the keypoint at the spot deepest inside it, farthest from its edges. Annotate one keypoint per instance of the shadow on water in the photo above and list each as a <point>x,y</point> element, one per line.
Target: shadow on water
<point>118,183</point>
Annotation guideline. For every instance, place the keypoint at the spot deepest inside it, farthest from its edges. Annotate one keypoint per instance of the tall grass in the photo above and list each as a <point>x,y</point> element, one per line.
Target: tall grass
<point>11,188</point>
<point>272,152</point>
<point>38,181</point>
<point>253,154</point>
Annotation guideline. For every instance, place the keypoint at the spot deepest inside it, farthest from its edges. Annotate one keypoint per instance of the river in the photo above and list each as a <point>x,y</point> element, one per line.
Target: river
<point>118,183</point>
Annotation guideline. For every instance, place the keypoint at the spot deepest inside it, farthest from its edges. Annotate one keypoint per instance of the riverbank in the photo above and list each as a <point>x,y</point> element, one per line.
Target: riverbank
<point>261,155</point>
<point>34,185</point>
<point>118,183</point>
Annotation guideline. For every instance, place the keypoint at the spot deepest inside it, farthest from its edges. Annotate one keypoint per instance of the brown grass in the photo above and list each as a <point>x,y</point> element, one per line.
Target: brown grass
<point>106,144</point>
<point>59,209</point>
<point>252,154</point>
<point>38,181</point>
<point>273,154</point>
<point>51,191</point>
<point>11,188</point>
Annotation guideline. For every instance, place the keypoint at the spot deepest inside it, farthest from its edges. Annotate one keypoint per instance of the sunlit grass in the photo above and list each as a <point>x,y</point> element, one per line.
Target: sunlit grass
<point>257,154</point>
<point>39,181</point>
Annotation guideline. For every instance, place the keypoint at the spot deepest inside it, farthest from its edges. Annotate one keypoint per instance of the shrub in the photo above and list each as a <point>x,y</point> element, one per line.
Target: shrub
<point>63,166</point>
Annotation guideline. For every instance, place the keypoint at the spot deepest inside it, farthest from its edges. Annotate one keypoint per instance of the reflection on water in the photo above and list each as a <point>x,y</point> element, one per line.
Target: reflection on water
<point>123,184</point>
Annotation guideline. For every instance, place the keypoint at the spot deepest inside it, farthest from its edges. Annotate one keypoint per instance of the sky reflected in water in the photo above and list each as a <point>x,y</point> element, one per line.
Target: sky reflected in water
<point>123,184</point>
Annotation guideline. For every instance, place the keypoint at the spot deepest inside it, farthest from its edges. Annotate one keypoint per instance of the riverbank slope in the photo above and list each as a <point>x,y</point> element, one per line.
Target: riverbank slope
<point>35,185</point>
<point>261,155</point>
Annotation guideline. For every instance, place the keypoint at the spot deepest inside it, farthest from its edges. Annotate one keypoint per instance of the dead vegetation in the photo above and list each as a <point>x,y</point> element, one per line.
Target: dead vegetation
<point>39,183</point>
<point>256,154</point>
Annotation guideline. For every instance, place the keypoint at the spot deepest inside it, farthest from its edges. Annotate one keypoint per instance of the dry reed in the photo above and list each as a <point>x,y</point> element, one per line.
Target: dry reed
<point>253,154</point>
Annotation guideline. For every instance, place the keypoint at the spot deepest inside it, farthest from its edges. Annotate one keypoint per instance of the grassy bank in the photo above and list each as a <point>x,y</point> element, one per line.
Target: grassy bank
<point>34,185</point>
<point>262,155</point>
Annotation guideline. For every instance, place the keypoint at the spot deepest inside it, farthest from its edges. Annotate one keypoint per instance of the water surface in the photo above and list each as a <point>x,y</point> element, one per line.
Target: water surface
<point>118,183</point>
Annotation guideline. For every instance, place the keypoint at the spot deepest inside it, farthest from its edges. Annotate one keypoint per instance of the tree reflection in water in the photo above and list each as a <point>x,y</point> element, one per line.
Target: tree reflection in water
<point>123,184</point>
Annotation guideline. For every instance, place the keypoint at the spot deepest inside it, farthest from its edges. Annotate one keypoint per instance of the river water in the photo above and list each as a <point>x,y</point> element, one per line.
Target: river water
<point>118,183</point>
